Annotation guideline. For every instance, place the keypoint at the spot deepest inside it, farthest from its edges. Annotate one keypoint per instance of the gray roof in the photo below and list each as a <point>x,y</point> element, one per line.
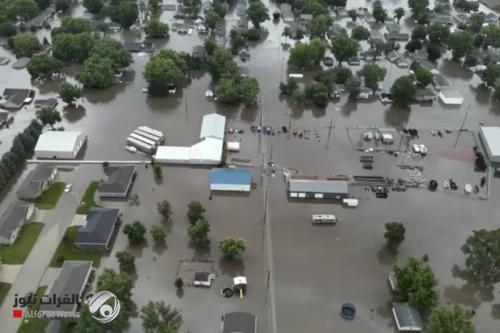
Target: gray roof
<point>49,102</point>
<point>32,186</point>
<point>399,36</point>
<point>491,140</point>
<point>407,317</point>
<point>41,18</point>
<point>440,81</point>
<point>100,223</point>
<point>318,186</point>
<point>239,322</point>
<point>13,218</point>
<point>71,280</point>
<point>119,179</point>
<point>14,98</point>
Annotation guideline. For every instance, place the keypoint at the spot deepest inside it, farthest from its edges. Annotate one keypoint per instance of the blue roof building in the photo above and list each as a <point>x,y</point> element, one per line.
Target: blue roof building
<point>230,179</point>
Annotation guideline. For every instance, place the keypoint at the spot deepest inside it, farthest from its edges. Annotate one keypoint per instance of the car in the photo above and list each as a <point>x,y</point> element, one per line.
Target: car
<point>366,159</point>
<point>328,61</point>
<point>348,311</point>
<point>381,195</point>
<point>367,166</point>
<point>68,188</point>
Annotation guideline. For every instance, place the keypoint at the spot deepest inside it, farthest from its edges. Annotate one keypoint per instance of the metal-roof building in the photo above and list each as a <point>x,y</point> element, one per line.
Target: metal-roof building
<point>11,221</point>
<point>230,179</point>
<point>72,280</point>
<point>317,189</point>
<point>118,183</point>
<point>407,318</point>
<point>14,99</point>
<point>490,139</point>
<point>36,182</point>
<point>59,144</point>
<point>239,322</point>
<point>213,126</point>
<point>208,152</point>
<point>96,234</point>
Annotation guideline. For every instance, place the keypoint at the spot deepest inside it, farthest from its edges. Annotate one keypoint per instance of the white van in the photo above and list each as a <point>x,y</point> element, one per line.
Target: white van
<point>324,219</point>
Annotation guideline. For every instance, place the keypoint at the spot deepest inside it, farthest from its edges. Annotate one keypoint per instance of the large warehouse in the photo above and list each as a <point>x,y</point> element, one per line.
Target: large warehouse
<point>230,179</point>
<point>317,189</point>
<point>490,139</point>
<point>59,144</point>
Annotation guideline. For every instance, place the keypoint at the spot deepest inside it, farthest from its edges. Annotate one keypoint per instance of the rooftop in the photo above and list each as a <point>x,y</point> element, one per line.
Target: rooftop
<point>213,126</point>
<point>407,317</point>
<point>100,224</point>
<point>491,137</point>
<point>230,176</point>
<point>32,186</point>
<point>12,218</point>
<point>119,179</point>
<point>58,141</point>
<point>239,322</point>
<point>318,186</point>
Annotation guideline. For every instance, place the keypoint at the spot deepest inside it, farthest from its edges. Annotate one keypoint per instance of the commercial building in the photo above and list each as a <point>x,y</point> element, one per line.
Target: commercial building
<point>230,179</point>
<point>36,182</point>
<point>97,232</point>
<point>60,144</point>
<point>407,318</point>
<point>213,126</point>
<point>317,189</point>
<point>71,282</point>
<point>12,220</point>
<point>172,154</point>
<point>239,322</point>
<point>118,182</point>
<point>490,140</point>
<point>206,152</point>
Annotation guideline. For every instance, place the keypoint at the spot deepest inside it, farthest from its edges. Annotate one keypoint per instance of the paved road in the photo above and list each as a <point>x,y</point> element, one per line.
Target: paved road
<point>56,222</point>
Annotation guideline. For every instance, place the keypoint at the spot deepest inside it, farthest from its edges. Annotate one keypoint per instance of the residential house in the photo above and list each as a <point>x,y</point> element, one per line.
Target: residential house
<point>425,96</point>
<point>392,27</point>
<point>14,217</point>
<point>100,225</point>
<point>407,317</point>
<point>36,182</point>
<point>14,99</point>
<point>118,183</point>
<point>397,36</point>
<point>286,12</point>
<point>46,103</point>
<point>440,82</point>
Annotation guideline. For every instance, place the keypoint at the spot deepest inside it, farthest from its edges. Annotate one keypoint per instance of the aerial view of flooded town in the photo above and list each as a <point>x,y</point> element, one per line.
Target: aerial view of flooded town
<point>244,166</point>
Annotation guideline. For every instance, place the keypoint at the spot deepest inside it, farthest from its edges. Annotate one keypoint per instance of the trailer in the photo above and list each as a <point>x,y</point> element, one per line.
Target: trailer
<point>147,136</point>
<point>141,146</point>
<point>350,202</point>
<point>151,131</point>
<point>143,139</point>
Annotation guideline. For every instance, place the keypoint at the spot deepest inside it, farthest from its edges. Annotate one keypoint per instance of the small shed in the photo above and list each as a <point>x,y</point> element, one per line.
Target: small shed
<point>407,317</point>
<point>233,146</point>
<point>451,97</point>
<point>230,179</point>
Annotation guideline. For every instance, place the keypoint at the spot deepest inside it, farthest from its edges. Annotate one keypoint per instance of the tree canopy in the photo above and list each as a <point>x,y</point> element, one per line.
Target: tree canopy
<point>455,320</point>
<point>394,235</point>
<point>257,12</point>
<point>127,13</point>
<point>344,47</point>
<point>112,50</point>
<point>48,116</point>
<point>482,255</point>
<point>156,29</point>
<point>69,93</point>
<point>97,72</point>
<point>307,56</point>
<point>157,317</point>
<point>168,67</point>
<point>461,43</point>
<point>135,232</point>
<point>360,33</point>
<point>72,47</point>
<point>164,209</point>
<point>372,74</point>
<point>198,232</point>
<point>26,45</point>
<point>93,6</point>
<point>44,66</point>
<point>403,91</point>
<point>319,26</point>
<point>195,211</point>
<point>232,247</point>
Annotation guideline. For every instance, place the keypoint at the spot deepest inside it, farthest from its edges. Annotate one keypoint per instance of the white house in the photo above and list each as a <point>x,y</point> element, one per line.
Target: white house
<point>11,221</point>
<point>59,144</point>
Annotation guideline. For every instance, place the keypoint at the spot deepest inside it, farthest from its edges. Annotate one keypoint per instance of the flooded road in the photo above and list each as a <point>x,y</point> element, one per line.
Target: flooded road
<point>315,269</point>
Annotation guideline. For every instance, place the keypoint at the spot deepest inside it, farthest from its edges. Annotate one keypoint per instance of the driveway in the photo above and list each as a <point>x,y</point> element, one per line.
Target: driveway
<point>8,273</point>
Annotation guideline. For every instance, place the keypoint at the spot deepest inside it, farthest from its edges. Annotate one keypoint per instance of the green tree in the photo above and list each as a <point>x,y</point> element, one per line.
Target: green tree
<point>379,13</point>
<point>195,211</point>
<point>192,7</point>
<point>423,77</point>
<point>166,68</point>
<point>49,116</point>
<point>157,171</point>
<point>249,90</point>
<point>342,74</point>
<point>482,255</point>
<point>491,35</point>
<point>353,87</point>
<point>126,261</point>
<point>154,7</point>
<point>476,21</point>
<point>317,93</point>
<point>289,87</point>
<point>455,320</point>
<point>394,235</point>
<point>69,93</point>
<point>307,56</point>
<point>179,283</point>
<point>315,7</point>
<point>419,9</point>
<point>413,45</point>
<point>72,47</point>
<point>164,209</point>
<point>360,33</point>
<point>157,317</point>
<point>344,47</point>
<point>438,33</point>
<point>62,5</point>
<point>353,14</point>
<point>74,25</point>
<point>232,247</point>
<point>25,45</point>
<point>44,66</point>
<point>399,13</point>
<point>433,52</point>
<point>257,13</point>
<point>198,232</point>
<point>97,73</point>
<point>227,91</point>
<point>114,51</point>
<point>135,232</point>
<point>158,234</point>
<point>417,284</point>
<point>490,75</point>
<point>127,13</point>
<point>319,26</point>
<point>25,9</point>
<point>7,29</point>
<point>403,91</point>
<point>461,43</point>
<point>372,74</point>
<point>211,18</point>
<point>221,61</point>
<point>156,29</point>
<point>93,6</point>
<point>419,32</point>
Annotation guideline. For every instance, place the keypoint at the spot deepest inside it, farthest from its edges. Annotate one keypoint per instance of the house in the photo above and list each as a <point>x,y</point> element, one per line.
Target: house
<point>306,17</point>
<point>407,317</point>
<point>4,115</point>
<point>14,99</point>
<point>286,12</point>
<point>317,189</point>
<point>392,27</point>
<point>70,282</point>
<point>96,234</point>
<point>427,64</point>
<point>46,103</point>
<point>230,179</point>
<point>451,97</point>
<point>118,182</point>
<point>60,144</point>
<point>39,21</point>
<point>354,61</point>
<point>213,126</point>
<point>13,218</point>
<point>376,34</point>
<point>444,19</point>
<point>491,18</point>
<point>242,24</point>
<point>440,82</point>
<point>397,36</point>
<point>239,322</point>
<point>336,30</point>
<point>424,96</point>
<point>36,182</point>
<point>489,137</point>
<point>492,4</point>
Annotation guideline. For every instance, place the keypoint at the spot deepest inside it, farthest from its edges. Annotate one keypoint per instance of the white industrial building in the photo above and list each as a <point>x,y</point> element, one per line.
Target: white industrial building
<point>206,152</point>
<point>60,144</point>
<point>451,97</point>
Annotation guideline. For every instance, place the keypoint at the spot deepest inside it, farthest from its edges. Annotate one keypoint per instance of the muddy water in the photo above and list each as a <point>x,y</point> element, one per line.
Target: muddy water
<point>316,269</point>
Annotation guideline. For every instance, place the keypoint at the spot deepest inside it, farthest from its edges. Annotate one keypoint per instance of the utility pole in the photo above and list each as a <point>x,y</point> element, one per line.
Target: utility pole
<point>329,133</point>
<point>289,126</point>
<point>461,127</point>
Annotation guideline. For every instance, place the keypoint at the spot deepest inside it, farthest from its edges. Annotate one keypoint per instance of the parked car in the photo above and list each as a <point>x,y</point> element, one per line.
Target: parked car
<point>367,166</point>
<point>328,61</point>
<point>68,188</point>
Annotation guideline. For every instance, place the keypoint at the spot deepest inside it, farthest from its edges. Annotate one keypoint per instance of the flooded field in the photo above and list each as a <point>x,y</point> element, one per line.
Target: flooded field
<point>311,271</point>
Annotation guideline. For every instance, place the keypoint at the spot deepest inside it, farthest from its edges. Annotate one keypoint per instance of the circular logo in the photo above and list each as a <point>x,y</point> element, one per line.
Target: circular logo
<point>104,306</point>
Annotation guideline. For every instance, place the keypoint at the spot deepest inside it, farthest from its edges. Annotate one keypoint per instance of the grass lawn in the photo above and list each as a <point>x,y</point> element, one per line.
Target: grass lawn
<point>4,289</point>
<point>17,253</point>
<point>88,198</point>
<point>50,197</point>
<point>35,325</point>
<point>67,251</point>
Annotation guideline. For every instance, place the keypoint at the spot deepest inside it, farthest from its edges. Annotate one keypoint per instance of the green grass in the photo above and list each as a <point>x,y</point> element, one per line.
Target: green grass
<point>87,201</point>
<point>18,252</point>
<point>67,250</point>
<point>4,289</point>
<point>35,325</point>
<point>50,197</point>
